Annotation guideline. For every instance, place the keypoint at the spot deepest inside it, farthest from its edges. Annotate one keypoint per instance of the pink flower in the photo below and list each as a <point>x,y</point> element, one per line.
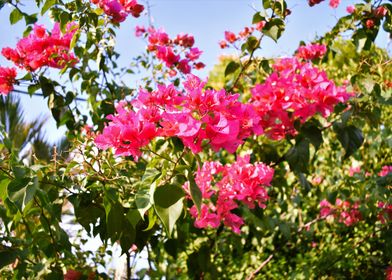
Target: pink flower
<point>118,10</point>
<point>223,44</point>
<point>179,124</point>
<point>369,23</point>
<point>312,51</point>
<point>139,31</point>
<point>317,180</point>
<point>347,213</point>
<point>314,2</point>
<point>350,9</point>
<point>334,3</point>
<point>40,49</point>
<point>380,12</point>
<point>246,32</point>
<point>199,65</point>
<point>7,79</point>
<point>388,273</point>
<point>326,208</point>
<point>167,55</point>
<point>184,66</point>
<point>385,170</point>
<point>193,54</point>
<point>207,218</point>
<point>385,213</point>
<point>260,25</point>
<point>184,40</point>
<point>354,170</point>
<point>230,37</point>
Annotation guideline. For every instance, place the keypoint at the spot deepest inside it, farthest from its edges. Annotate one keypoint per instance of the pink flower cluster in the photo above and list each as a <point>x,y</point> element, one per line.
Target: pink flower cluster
<point>385,170</point>
<point>7,79</point>
<point>169,50</point>
<point>42,48</point>
<point>231,38</point>
<point>295,90</point>
<point>194,115</point>
<point>332,3</point>
<point>350,9</point>
<point>380,12</point>
<point>354,170</point>
<point>385,213</point>
<point>311,51</point>
<point>127,132</point>
<point>346,212</point>
<point>388,273</point>
<point>223,187</point>
<point>118,10</point>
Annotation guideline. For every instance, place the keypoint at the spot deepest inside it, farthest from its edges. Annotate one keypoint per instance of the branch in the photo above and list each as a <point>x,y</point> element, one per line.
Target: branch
<point>247,64</point>
<point>301,228</point>
<point>264,263</point>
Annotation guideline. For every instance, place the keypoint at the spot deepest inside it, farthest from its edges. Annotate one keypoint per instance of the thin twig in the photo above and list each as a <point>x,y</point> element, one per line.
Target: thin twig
<point>264,263</point>
<point>128,265</point>
<point>247,64</point>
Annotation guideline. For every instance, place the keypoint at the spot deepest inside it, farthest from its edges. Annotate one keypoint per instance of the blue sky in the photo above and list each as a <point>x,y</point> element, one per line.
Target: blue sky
<point>206,20</point>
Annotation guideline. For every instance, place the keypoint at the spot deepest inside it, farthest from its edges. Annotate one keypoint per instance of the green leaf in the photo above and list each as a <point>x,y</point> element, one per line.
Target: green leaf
<point>313,134</point>
<point>3,188</point>
<point>7,257</point>
<point>257,17</point>
<point>274,28</point>
<point>144,197</point>
<point>298,156</point>
<point>168,203</point>
<point>64,19</point>
<point>46,86</point>
<point>171,247</point>
<point>304,182</point>
<point>195,191</point>
<point>265,65</point>
<point>360,39</point>
<point>143,203</point>
<point>266,4</point>
<point>231,68</point>
<point>15,16</point>
<point>252,43</point>
<point>350,137</point>
<point>367,84</point>
<point>167,195</point>
<point>22,191</point>
<point>30,19</point>
<point>151,220</point>
<point>114,219</point>
<point>27,32</point>
<point>133,217</point>
<point>74,40</point>
<point>170,215</point>
<point>149,176</point>
<point>48,4</point>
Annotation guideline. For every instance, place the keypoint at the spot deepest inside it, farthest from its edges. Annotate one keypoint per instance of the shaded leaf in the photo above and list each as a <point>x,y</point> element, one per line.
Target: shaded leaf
<point>298,156</point>
<point>231,67</point>
<point>195,191</point>
<point>350,137</point>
